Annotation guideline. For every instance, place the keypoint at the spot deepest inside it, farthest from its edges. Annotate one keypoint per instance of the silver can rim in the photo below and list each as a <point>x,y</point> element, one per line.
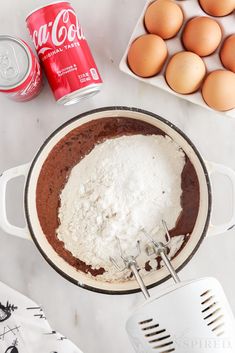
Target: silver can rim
<point>26,48</point>
<point>78,95</point>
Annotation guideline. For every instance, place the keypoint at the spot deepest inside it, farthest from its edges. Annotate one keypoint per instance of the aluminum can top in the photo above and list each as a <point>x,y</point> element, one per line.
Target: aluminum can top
<point>14,62</point>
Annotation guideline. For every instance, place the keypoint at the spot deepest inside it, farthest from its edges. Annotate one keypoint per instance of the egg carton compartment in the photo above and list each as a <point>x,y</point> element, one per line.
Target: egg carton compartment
<point>191,8</point>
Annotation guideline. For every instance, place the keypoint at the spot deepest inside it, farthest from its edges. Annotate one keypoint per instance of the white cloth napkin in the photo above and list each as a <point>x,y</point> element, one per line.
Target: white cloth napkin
<point>24,328</point>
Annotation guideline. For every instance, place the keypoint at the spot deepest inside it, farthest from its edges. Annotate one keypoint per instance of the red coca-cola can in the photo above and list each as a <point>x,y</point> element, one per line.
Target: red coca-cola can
<point>20,72</point>
<point>64,52</point>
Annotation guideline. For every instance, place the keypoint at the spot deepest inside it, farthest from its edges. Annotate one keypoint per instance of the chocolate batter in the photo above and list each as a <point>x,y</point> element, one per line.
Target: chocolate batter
<point>71,149</point>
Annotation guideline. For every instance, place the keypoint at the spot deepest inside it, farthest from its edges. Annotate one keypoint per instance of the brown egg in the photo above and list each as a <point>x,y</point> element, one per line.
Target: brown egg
<point>147,55</point>
<point>185,72</point>
<point>227,53</point>
<point>164,18</point>
<point>202,35</point>
<point>218,7</point>
<point>218,90</point>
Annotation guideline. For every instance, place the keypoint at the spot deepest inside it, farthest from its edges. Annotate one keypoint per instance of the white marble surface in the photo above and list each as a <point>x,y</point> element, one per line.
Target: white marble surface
<point>94,321</point>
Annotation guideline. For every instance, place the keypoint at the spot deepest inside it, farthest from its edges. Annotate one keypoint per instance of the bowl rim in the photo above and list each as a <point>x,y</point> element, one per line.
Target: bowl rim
<point>100,110</point>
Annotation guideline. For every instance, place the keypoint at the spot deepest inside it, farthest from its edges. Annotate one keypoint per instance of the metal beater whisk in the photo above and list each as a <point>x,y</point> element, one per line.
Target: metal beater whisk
<point>130,263</point>
<point>159,249</point>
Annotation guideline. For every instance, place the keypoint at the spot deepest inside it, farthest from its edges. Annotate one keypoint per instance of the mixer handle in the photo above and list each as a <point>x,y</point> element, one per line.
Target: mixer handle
<point>230,173</point>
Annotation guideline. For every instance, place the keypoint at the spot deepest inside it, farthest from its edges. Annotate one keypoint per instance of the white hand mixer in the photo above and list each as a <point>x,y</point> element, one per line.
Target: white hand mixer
<point>190,317</point>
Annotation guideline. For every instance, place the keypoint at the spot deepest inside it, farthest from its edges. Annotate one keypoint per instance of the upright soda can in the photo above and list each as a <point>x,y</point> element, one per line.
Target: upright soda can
<point>64,52</point>
<point>20,72</point>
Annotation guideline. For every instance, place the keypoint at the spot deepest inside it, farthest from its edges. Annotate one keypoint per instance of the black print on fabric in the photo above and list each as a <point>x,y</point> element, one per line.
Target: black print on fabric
<point>6,310</point>
<point>13,348</point>
<point>41,315</point>
<point>8,330</point>
<point>50,333</point>
<point>62,338</point>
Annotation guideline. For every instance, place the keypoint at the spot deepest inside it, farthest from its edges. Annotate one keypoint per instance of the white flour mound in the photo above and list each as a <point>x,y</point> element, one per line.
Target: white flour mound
<point>122,186</point>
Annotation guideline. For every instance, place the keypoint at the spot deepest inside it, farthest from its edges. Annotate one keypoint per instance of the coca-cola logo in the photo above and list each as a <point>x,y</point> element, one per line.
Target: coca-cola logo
<point>65,28</point>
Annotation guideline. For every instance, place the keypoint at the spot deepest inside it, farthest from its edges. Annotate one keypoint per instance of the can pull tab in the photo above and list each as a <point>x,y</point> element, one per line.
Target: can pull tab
<point>9,68</point>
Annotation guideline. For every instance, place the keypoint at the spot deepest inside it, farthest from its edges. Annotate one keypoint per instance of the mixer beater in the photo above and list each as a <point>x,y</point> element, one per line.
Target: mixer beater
<point>190,317</point>
<point>158,248</point>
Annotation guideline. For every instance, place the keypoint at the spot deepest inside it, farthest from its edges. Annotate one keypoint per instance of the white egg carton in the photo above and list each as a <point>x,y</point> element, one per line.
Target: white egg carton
<point>191,8</point>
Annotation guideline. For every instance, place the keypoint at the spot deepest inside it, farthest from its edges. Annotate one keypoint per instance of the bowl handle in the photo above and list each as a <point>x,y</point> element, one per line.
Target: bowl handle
<point>5,177</point>
<point>230,173</point>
